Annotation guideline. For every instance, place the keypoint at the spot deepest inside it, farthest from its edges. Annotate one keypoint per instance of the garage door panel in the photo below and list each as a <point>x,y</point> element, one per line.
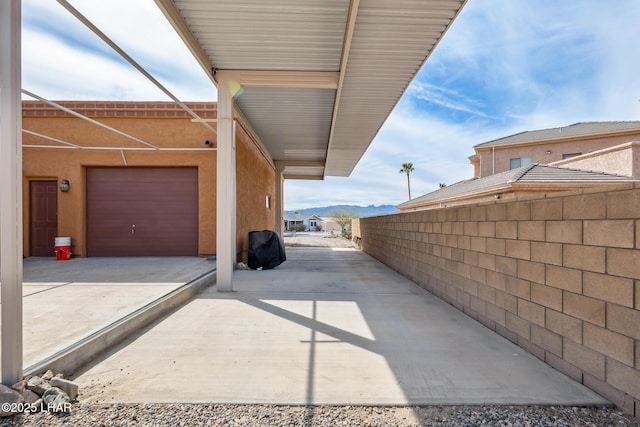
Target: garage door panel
<point>142,211</point>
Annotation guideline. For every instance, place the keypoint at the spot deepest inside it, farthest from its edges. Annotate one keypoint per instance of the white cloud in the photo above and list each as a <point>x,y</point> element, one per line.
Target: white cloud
<point>61,72</point>
<point>445,97</point>
<point>558,62</point>
<point>62,59</point>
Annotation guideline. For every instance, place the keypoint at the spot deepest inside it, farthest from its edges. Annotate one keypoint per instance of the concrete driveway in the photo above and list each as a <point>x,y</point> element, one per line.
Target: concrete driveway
<point>329,326</point>
<point>65,302</point>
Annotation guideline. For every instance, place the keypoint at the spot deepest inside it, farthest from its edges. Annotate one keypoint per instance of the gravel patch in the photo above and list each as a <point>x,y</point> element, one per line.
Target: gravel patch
<point>273,415</point>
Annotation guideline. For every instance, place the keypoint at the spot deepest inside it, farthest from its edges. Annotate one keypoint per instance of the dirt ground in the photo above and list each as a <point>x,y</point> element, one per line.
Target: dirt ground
<point>317,239</point>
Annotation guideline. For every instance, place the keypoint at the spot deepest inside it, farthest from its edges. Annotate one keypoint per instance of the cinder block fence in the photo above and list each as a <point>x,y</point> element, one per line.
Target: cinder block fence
<point>559,275</point>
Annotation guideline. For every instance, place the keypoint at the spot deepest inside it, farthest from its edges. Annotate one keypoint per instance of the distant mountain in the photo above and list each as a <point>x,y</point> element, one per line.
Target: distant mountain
<point>362,211</point>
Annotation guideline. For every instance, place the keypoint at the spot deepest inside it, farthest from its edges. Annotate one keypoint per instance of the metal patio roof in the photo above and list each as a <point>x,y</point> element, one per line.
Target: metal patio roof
<point>318,77</point>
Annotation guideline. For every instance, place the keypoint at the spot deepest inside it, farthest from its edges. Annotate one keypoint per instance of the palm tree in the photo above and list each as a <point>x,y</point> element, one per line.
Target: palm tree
<point>407,168</point>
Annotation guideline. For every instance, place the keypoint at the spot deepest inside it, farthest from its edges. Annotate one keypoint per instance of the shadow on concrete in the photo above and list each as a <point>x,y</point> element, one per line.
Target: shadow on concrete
<point>351,333</point>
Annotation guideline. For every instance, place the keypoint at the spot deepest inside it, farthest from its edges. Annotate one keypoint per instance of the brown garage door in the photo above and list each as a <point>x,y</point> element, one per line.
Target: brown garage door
<point>142,211</point>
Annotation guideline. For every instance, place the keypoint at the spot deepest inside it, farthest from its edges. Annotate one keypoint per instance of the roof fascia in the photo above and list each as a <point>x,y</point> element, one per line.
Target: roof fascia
<point>465,196</point>
<point>557,140</point>
<point>564,186</point>
<point>305,177</point>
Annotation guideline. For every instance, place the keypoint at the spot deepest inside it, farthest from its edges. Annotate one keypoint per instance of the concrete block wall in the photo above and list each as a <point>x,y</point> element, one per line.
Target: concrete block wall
<point>559,275</point>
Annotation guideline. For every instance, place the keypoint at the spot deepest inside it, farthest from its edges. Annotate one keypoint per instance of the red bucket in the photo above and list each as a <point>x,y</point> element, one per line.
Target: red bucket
<point>63,248</point>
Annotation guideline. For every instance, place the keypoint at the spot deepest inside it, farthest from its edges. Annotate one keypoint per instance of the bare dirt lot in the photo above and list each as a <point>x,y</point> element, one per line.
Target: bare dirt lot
<point>317,239</point>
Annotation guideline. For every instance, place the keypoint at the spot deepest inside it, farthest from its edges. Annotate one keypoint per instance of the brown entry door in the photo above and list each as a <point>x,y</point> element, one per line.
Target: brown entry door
<point>142,212</point>
<point>43,221</point>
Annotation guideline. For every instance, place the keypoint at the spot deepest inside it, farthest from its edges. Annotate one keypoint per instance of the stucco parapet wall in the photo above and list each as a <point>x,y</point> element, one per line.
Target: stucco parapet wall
<point>621,159</point>
<point>620,147</point>
<point>205,110</point>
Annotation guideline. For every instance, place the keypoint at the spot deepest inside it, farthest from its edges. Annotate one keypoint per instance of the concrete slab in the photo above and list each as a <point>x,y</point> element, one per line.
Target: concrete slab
<point>115,270</point>
<point>56,318</point>
<point>327,327</point>
<point>65,302</point>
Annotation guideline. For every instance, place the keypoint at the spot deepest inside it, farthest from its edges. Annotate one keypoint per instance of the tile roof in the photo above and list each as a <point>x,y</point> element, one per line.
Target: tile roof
<point>548,173</point>
<point>576,129</point>
<point>298,216</point>
<point>533,173</point>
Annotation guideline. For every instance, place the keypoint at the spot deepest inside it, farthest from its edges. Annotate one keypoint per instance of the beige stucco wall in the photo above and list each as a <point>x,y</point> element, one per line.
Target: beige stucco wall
<point>255,175</point>
<point>621,159</point>
<point>559,275</point>
<point>256,180</point>
<point>538,151</point>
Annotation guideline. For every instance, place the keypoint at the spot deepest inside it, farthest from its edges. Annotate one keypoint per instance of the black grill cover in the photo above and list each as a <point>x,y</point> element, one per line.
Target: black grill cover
<point>266,250</point>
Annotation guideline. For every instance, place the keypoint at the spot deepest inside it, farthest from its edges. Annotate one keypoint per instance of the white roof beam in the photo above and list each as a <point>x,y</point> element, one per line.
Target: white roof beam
<point>346,48</point>
<point>79,147</point>
<point>50,138</point>
<point>299,163</point>
<point>90,120</point>
<point>304,177</point>
<point>129,59</point>
<point>284,79</point>
<point>11,274</point>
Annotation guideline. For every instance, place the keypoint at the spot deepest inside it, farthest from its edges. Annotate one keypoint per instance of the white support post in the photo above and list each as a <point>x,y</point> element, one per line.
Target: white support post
<point>279,202</point>
<point>234,229</point>
<point>225,188</point>
<point>10,191</point>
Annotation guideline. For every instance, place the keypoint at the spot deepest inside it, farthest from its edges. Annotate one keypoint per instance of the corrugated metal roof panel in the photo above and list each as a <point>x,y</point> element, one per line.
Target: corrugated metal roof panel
<point>391,40</point>
<point>299,35</point>
<point>293,123</point>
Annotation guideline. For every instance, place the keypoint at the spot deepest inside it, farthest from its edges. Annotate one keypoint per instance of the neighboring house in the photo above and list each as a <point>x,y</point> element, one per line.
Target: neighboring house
<point>548,160</point>
<point>547,146</point>
<point>310,222</point>
<point>533,178</point>
<point>126,198</point>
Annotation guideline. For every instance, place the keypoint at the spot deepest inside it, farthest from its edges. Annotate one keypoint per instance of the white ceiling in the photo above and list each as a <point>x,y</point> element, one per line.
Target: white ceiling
<point>319,77</point>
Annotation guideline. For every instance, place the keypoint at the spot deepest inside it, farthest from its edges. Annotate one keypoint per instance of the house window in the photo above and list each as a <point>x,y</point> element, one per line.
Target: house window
<point>519,162</point>
<point>570,155</point>
<point>313,223</point>
<point>268,201</point>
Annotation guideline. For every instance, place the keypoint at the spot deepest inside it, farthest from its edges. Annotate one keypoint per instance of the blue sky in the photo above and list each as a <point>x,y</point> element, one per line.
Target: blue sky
<point>505,66</point>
